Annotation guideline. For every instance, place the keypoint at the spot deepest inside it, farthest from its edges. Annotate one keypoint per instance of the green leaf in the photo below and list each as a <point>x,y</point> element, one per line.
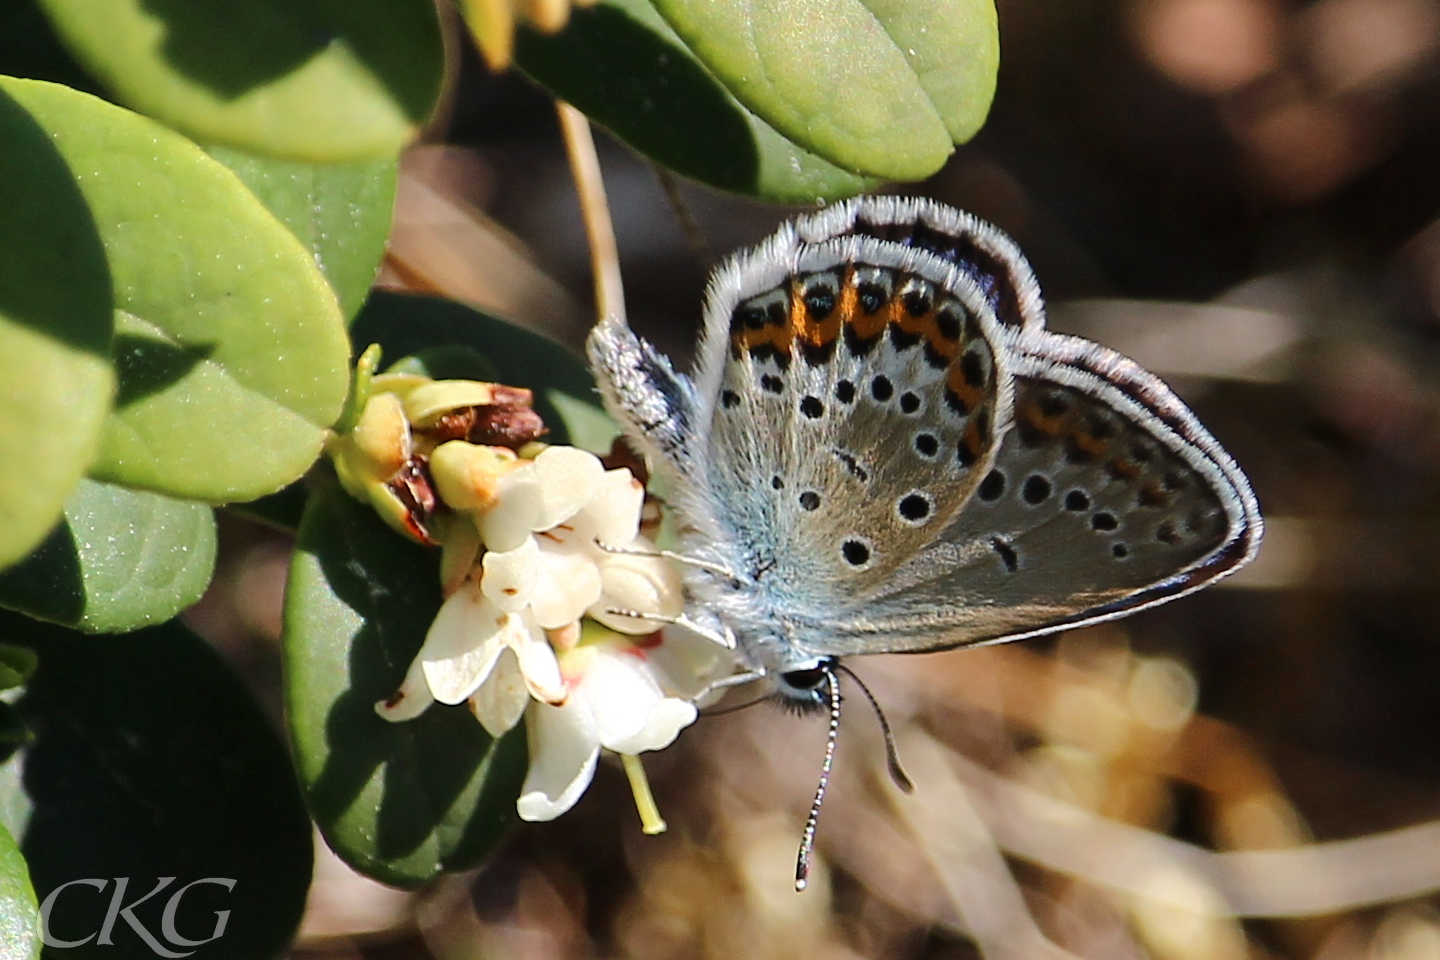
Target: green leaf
<point>149,760</point>
<point>398,801</point>
<point>19,912</point>
<point>880,87</point>
<point>56,319</point>
<point>340,211</point>
<point>121,559</point>
<point>319,81</point>
<point>230,347</point>
<point>450,362</point>
<point>565,397</point>
<point>30,49</point>
<point>17,664</point>
<point>622,65</point>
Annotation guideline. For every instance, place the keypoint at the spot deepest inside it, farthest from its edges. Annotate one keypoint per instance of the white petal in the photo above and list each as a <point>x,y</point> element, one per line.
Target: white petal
<point>461,645</point>
<point>567,478</point>
<point>500,702</point>
<point>563,751</point>
<point>686,664</point>
<point>508,577</point>
<point>412,699</point>
<point>631,712</point>
<point>614,510</point>
<point>568,582</point>
<point>505,525</point>
<point>667,718</point>
<point>538,663</point>
<point>644,584</point>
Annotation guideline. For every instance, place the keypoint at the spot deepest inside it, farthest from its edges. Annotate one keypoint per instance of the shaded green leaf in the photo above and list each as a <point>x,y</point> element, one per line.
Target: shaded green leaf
<point>621,64</point>
<point>451,362</point>
<point>150,760</point>
<point>311,80</point>
<point>880,87</point>
<point>565,397</point>
<point>56,319</point>
<point>340,211</point>
<point>280,511</point>
<point>16,665</point>
<point>30,49</point>
<point>398,801</point>
<point>230,347</point>
<point>119,560</point>
<point>12,729</point>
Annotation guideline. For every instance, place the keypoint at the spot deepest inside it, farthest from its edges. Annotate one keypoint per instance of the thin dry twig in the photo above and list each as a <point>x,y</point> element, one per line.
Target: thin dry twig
<point>1301,881</point>
<point>694,236</point>
<point>440,244</point>
<point>962,850</point>
<point>595,208</point>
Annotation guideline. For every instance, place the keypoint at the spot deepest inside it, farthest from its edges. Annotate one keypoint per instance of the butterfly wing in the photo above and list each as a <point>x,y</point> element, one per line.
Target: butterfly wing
<point>1105,497</point>
<point>886,445</point>
<point>857,388</point>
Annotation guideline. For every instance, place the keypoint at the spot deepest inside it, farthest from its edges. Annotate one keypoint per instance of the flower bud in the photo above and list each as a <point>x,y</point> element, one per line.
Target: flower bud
<point>469,477</point>
<point>375,448</point>
<point>428,402</point>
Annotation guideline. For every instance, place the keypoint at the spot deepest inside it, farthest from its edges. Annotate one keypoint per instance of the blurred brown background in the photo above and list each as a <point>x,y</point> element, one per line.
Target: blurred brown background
<point>1241,194</point>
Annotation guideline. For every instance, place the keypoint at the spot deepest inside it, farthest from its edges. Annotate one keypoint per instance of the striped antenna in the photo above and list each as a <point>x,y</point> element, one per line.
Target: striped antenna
<point>807,842</point>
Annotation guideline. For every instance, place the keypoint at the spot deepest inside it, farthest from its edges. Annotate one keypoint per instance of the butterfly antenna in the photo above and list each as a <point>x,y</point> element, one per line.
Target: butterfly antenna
<point>892,756</point>
<point>807,841</point>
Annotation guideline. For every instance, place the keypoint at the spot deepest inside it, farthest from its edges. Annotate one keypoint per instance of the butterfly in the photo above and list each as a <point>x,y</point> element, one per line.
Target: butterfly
<point>882,449</point>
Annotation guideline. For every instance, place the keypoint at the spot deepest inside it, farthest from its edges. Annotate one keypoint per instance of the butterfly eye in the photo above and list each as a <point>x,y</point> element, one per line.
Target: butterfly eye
<point>805,679</point>
<point>804,690</point>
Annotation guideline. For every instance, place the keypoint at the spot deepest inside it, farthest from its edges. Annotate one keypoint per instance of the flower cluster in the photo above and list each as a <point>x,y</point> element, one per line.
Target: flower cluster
<point>547,579</point>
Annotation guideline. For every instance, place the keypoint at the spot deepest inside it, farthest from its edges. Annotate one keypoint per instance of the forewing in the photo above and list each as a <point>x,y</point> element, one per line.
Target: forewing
<point>858,403</point>
<point>982,253</point>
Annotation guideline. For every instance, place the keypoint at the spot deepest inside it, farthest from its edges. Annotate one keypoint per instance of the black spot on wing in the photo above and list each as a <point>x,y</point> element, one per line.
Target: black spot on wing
<point>857,470</point>
<point>1007,553</point>
<point>992,488</point>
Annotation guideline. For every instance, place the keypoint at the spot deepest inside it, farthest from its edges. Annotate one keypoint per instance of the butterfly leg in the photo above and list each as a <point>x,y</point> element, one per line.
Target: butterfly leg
<point>673,557</point>
<point>724,639</point>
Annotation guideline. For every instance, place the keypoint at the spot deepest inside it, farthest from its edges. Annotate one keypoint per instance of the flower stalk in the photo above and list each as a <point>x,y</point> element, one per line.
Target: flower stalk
<point>651,823</point>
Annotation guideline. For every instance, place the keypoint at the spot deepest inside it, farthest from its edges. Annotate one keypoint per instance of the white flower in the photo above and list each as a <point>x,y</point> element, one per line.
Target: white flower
<point>617,701</point>
<point>463,649</point>
<point>545,626</point>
